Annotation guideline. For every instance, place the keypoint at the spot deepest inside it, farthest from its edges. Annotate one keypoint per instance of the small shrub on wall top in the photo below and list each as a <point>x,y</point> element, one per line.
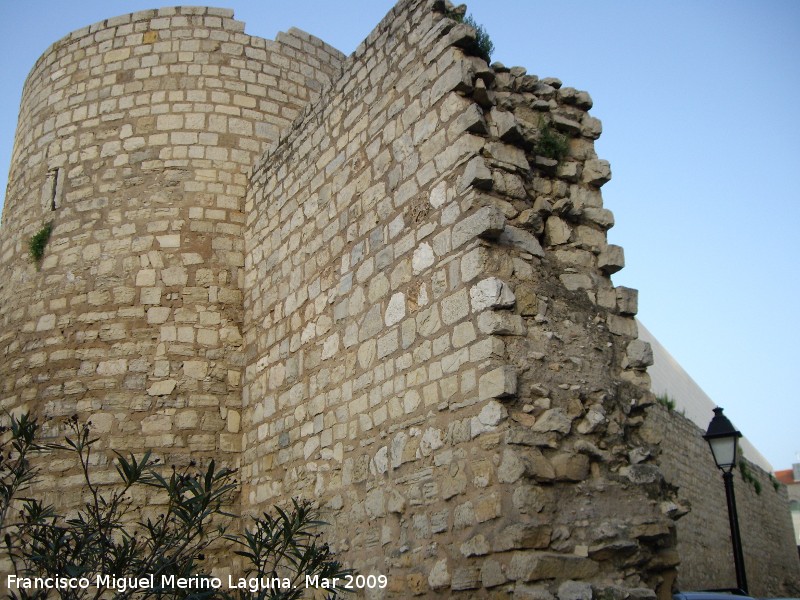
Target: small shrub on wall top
<point>485,44</point>
<point>484,47</point>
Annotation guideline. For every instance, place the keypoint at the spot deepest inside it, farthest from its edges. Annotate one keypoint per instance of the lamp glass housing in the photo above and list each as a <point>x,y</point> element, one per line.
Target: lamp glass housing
<point>725,451</point>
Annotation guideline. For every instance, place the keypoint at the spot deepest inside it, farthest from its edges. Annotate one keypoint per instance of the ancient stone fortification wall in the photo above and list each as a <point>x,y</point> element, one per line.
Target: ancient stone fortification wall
<point>433,346</point>
<point>771,560</point>
<point>403,310</point>
<point>135,136</point>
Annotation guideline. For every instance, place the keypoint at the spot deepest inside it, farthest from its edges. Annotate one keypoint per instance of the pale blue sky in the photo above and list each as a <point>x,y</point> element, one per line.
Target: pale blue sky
<point>698,102</point>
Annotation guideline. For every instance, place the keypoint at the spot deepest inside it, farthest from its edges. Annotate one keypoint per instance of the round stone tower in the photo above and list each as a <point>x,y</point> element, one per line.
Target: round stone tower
<point>134,141</point>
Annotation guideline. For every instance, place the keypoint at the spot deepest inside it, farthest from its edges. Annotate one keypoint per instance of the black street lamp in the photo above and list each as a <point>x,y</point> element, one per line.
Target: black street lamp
<point>723,438</point>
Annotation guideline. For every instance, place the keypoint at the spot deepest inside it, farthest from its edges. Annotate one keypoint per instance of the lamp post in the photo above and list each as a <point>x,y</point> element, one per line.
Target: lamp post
<point>723,438</point>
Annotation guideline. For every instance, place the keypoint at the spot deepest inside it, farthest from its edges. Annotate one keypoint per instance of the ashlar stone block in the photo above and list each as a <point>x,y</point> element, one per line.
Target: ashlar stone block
<point>498,383</point>
<point>611,260</point>
<point>487,222</point>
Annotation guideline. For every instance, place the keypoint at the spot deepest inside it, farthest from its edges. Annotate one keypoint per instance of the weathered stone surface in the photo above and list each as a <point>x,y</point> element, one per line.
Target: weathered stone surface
<point>498,383</point>
<point>466,578</point>
<point>491,293</point>
<point>574,590</point>
<point>439,577</point>
<point>638,355</point>
<point>570,467</point>
<point>624,326</point>
<point>521,239</point>
<point>487,222</point>
<point>627,300</point>
<point>162,388</point>
<point>492,574</point>
<point>523,536</point>
<point>611,260</point>
<point>535,566</point>
<point>506,127</point>
<point>555,419</point>
<point>596,172</point>
<point>476,174</point>
<point>501,323</point>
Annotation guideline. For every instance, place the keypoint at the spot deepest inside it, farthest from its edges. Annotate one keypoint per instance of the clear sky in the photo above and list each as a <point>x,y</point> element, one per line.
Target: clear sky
<point>699,105</point>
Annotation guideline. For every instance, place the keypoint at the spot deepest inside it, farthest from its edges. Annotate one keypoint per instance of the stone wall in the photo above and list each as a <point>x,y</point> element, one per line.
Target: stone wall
<point>771,559</point>
<point>433,346</point>
<point>134,139</point>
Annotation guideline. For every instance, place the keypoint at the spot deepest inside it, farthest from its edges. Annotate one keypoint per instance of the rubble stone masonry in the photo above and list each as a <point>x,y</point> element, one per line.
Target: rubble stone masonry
<point>357,280</point>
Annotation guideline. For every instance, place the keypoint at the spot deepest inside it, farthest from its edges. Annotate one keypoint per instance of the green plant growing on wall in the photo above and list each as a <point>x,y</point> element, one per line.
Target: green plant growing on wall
<point>38,242</point>
<point>748,476</point>
<point>775,483</point>
<point>550,143</point>
<point>666,401</point>
<point>484,47</point>
<point>482,39</point>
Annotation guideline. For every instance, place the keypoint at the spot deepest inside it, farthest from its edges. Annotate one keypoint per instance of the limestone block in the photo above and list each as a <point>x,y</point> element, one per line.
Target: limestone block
<point>642,474</point>
<point>491,293</point>
<point>638,355</point>
<point>174,276</point>
<point>156,424</point>
<point>568,171</point>
<point>501,323</point>
<point>523,536</point>
<point>556,231</point>
<point>596,172</point>
<point>570,467</point>
<point>505,126</point>
<point>498,383</point>
<point>158,314</point>
<point>535,566</point>
<point>396,309</point>
<point>466,578</point>
<point>439,577</point>
<point>576,281</point>
<point>625,326</point>
<point>46,322</point>
<point>492,574</point>
<point>524,240</point>
<point>453,484</point>
<point>490,416</point>
<point>463,334</point>
<point>380,462</point>
<point>507,156</point>
<point>455,307</point>
<point>599,216</point>
<point>112,367</point>
<point>511,467</point>
<point>575,590</point>
<point>554,419</point>
<point>566,125</point>
<point>422,258</point>
<point>458,78</point>
<point>473,264</point>
<point>195,369</point>
<point>487,222</point>
<point>589,238</point>
<point>476,174</point>
<point>611,260</point>
<point>472,119</point>
<point>438,195</point>
<point>150,295</point>
<point>627,300</point>
<point>595,417</point>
